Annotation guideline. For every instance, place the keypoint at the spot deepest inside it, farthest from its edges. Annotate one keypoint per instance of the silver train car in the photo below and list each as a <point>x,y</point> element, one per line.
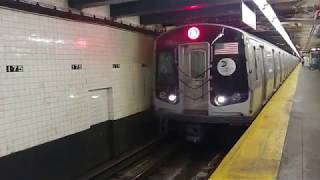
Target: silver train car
<point>212,73</point>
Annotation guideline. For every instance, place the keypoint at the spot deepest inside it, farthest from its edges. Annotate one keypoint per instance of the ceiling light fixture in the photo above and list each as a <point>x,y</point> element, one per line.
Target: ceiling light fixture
<point>267,10</point>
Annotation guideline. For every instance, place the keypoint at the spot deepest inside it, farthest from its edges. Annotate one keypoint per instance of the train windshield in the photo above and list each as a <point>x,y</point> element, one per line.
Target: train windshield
<point>198,64</point>
<point>166,69</point>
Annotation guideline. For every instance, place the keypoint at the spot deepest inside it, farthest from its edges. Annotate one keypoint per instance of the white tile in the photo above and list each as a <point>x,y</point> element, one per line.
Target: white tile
<point>58,3</point>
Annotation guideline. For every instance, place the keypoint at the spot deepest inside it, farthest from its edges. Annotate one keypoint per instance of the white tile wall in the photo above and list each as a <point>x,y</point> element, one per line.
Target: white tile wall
<point>130,20</point>
<point>48,100</point>
<point>58,3</point>
<point>103,11</point>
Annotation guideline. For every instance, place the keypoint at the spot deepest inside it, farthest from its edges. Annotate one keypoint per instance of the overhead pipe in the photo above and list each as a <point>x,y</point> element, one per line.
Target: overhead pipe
<point>314,26</point>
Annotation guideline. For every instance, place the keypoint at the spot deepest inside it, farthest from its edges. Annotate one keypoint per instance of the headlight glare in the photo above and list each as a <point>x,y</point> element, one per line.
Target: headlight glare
<point>172,98</point>
<point>220,100</point>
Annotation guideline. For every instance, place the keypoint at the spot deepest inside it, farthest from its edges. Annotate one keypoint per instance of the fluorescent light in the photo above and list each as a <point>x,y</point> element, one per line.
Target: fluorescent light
<point>267,10</point>
<point>248,16</point>
<point>72,96</point>
<point>94,97</point>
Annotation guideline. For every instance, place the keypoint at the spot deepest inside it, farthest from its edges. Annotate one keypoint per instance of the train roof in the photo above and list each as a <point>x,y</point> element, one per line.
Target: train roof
<point>229,27</point>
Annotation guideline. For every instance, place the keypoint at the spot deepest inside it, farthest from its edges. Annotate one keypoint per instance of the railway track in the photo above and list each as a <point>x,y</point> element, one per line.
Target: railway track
<point>170,158</point>
<point>177,161</point>
<point>193,161</point>
<point>145,167</point>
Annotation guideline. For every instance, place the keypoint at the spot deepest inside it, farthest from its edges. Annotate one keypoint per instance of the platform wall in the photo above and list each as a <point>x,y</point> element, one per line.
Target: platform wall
<point>58,3</point>
<point>71,76</point>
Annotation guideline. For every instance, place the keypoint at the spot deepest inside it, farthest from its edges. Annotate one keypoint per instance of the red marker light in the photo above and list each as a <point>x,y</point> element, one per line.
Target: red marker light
<point>192,7</point>
<point>193,33</point>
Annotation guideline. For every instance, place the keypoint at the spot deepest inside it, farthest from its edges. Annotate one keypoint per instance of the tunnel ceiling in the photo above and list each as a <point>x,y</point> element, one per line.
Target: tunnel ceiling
<point>299,17</point>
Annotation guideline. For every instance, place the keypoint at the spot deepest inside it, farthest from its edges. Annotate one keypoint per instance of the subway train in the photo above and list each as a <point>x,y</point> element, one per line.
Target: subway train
<point>213,73</point>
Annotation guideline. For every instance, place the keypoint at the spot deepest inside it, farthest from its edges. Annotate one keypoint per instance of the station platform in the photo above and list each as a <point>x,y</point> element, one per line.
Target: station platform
<point>283,142</point>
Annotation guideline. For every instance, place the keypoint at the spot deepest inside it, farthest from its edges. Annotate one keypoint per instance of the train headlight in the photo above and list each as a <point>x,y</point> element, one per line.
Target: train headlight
<point>172,98</point>
<point>220,100</point>
<point>226,67</point>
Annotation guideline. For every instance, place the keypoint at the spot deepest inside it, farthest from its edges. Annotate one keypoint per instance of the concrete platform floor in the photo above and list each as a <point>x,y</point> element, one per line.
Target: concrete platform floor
<point>257,154</point>
<point>301,154</point>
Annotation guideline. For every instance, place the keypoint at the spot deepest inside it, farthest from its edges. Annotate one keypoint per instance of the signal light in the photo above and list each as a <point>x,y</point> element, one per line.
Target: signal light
<point>193,33</point>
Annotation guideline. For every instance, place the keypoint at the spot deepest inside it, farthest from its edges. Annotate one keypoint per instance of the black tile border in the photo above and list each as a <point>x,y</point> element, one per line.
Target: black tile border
<point>74,156</point>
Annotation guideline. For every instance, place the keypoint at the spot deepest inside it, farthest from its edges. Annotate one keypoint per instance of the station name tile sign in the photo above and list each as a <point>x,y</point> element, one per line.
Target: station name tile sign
<point>76,66</point>
<point>14,68</point>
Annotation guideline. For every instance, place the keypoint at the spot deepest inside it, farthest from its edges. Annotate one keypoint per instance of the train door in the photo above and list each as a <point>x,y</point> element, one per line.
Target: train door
<point>264,74</point>
<point>256,80</point>
<point>281,68</point>
<point>277,69</point>
<point>260,60</point>
<point>284,66</point>
<point>284,62</point>
<point>193,66</point>
<point>274,70</point>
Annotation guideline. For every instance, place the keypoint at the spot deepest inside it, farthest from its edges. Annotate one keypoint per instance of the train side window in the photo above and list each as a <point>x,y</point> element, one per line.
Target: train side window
<point>255,63</point>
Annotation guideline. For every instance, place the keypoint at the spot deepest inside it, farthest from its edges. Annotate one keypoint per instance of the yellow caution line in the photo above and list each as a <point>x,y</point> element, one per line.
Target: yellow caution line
<point>258,152</point>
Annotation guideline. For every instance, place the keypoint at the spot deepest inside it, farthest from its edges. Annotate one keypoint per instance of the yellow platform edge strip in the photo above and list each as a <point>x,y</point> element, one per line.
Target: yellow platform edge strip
<point>258,152</point>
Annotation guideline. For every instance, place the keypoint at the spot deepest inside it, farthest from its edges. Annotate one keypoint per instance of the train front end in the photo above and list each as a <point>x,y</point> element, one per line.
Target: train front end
<point>201,75</point>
